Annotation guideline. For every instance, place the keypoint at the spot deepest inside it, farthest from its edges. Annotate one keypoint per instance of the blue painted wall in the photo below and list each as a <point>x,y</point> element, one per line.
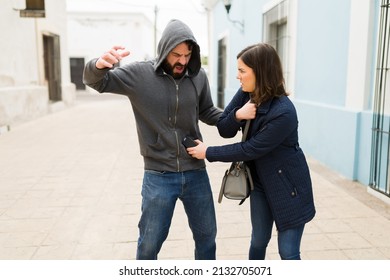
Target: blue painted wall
<point>322,51</point>
<point>329,132</point>
<point>252,16</point>
<point>336,136</point>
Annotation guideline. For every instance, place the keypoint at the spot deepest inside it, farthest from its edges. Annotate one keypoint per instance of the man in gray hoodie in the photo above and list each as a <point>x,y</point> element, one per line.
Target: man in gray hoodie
<point>169,95</point>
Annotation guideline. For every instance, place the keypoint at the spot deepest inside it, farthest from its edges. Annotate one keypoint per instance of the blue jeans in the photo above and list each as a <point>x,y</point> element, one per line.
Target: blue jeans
<point>160,191</point>
<point>289,241</point>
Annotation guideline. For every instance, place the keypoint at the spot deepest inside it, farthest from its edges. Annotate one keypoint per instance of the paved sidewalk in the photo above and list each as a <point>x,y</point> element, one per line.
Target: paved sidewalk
<point>70,189</point>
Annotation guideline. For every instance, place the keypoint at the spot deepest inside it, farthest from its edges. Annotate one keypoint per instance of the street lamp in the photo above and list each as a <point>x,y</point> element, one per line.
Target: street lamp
<point>228,5</point>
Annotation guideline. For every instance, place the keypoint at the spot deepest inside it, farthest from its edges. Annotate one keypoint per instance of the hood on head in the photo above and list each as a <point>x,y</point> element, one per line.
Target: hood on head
<point>177,32</point>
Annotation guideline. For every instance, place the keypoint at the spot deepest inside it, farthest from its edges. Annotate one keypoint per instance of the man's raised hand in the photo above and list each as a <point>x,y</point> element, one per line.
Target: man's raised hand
<point>109,58</point>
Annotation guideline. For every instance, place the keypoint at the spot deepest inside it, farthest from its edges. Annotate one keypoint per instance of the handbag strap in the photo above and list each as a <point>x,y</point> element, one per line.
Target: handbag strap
<point>245,130</point>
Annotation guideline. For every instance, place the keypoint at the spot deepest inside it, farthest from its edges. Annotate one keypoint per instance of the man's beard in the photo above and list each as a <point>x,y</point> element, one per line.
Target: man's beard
<point>169,69</point>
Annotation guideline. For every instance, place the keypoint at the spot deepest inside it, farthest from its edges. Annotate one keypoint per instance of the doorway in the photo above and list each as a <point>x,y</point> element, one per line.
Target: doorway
<point>76,72</point>
<point>221,83</point>
<point>52,62</point>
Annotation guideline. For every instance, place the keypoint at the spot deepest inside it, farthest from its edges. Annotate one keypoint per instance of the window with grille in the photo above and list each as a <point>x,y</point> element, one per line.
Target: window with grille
<point>276,34</point>
<point>380,151</point>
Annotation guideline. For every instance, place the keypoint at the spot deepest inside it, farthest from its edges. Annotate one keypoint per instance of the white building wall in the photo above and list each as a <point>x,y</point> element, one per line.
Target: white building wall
<point>360,54</point>
<point>92,33</point>
<point>23,89</point>
<point>18,56</point>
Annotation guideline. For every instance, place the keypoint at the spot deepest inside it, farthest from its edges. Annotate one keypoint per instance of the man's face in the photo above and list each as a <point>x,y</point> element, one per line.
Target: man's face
<point>177,60</point>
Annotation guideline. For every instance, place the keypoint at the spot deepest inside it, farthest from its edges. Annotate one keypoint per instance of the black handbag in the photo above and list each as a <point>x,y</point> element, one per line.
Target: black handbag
<point>237,182</point>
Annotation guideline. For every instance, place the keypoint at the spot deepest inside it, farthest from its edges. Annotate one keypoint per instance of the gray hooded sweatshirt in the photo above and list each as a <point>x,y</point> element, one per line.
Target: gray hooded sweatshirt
<point>166,110</point>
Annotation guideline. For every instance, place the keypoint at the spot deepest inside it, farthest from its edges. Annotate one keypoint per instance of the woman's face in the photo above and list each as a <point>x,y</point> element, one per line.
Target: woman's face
<point>246,76</point>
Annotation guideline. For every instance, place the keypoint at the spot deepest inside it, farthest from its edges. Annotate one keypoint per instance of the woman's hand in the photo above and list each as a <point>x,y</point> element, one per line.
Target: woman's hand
<point>246,112</point>
<point>199,151</point>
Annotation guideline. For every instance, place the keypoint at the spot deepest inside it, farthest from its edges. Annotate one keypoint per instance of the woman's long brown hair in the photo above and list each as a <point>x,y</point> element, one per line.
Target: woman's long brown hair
<point>266,65</point>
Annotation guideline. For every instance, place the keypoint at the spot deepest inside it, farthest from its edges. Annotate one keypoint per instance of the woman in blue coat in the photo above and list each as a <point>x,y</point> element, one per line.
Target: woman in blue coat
<point>283,191</point>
